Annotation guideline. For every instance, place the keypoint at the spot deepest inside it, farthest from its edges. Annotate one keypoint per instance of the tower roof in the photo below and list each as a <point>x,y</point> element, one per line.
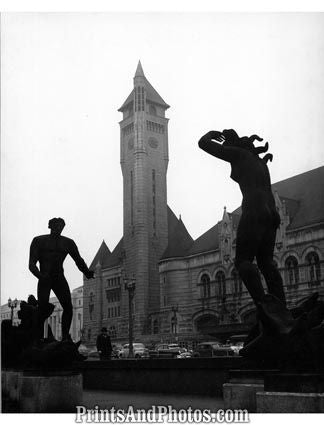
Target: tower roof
<point>139,70</point>
<point>179,238</point>
<point>307,189</point>
<point>151,94</point>
<point>116,256</point>
<point>102,254</point>
<point>209,241</point>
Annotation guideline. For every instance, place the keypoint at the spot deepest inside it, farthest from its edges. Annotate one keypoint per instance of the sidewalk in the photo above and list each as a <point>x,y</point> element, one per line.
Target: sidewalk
<point>122,399</point>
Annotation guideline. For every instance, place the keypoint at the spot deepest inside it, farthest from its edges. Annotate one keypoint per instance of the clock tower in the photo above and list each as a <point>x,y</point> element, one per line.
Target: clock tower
<point>144,163</point>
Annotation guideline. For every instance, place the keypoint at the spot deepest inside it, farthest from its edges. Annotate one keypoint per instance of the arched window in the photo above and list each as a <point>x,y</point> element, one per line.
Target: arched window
<point>205,281</point>
<point>220,284</point>
<point>291,265</point>
<point>237,283</point>
<point>113,331</point>
<point>155,326</point>
<point>314,267</point>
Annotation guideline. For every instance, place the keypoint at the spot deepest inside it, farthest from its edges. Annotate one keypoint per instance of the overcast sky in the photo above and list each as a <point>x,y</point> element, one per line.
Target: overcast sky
<point>65,75</point>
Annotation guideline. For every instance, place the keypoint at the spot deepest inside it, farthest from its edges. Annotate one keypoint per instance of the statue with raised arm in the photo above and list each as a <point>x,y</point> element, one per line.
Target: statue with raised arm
<point>50,252</point>
<point>285,339</point>
<point>259,221</point>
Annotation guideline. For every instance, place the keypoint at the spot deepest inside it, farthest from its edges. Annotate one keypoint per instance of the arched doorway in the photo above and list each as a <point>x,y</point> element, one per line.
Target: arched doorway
<point>206,324</point>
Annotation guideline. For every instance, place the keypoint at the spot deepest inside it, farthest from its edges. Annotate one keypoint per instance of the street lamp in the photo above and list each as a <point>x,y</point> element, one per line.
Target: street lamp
<point>12,304</point>
<point>130,287</point>
<point>174,320</point>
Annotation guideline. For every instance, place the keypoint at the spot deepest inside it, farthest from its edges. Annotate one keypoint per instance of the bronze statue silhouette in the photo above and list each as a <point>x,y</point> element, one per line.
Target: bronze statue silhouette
<point>282,338</point>
<point>22,347</point>
<point>259,221</point>
<point>50,251</point>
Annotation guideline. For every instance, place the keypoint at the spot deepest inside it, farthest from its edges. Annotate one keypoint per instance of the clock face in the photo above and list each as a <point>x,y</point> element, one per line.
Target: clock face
<point>153,143</point>
<point>131,143</point>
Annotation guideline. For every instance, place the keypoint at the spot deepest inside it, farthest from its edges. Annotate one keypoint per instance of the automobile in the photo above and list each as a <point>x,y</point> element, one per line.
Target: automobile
<point>139,350</point>
<point>83,350</point>
<point>213,349</point>
<point>236,342</point>
<point>116,350</point>
<point>186,354</point>
<point>166,351</point>
<point>93,355</point>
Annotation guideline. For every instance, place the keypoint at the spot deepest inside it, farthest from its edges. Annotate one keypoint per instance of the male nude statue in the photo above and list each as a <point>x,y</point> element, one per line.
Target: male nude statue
<point>50,251</point>
<point>259,221</point>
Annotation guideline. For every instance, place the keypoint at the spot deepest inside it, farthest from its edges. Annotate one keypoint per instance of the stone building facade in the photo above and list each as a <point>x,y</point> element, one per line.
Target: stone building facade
<point>8,314</point>
<point>55,320</point>
<point>200,288</point>
<point>188,290</point>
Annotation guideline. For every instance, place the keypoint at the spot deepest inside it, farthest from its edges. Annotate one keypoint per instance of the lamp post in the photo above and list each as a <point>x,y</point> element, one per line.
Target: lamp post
<point>12,304</point>
<point>130,287</point>
<point>175,320</point>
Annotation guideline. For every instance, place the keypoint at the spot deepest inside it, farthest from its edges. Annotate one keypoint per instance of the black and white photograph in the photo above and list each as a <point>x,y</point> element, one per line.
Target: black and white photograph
<point>162,215</point>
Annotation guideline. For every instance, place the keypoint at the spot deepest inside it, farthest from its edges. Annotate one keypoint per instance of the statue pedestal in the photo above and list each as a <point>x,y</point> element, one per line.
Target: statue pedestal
<point>51,392</point>
<point>241,396</point>
<point>292,393</point>
<point>10,384</point>
<point>240,392</point>
<point>286,402</point>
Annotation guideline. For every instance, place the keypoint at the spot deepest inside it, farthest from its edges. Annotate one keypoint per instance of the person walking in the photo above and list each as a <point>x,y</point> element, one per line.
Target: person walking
<point>104,346</point>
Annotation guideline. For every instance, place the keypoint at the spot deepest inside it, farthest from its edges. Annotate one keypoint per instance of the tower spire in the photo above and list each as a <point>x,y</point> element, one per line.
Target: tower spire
<point>139,70</point>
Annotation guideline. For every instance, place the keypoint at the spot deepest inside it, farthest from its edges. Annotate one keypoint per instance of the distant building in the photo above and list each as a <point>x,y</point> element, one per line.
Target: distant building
<point>55,320</point>
<point>76,329</point>
<point>6,313</point>
<point>189,290</point>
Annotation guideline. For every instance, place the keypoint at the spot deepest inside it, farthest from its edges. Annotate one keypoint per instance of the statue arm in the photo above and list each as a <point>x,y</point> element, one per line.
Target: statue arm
<point>226,153</point>
<point>267,157</point>
<point>255,137</point>
<point>33,259</point>
<point>79,261</point>
<point>261,149</point>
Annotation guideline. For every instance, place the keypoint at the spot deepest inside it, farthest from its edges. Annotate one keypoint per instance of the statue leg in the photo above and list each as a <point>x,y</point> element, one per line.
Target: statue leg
<point>247,241</point>
<point>43,293</point>
<point>62,291</point>
<point>268,267</point>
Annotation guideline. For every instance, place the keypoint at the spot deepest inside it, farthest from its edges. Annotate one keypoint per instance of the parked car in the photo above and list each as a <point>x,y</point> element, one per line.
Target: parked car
<point>117,348</point>
<point>139,351</point>
<point>84,350</point>
<point>186,354</point>
<point>212,349</point>
<point>237,342</point>
<point>93,355</point>
<point>166,351</point>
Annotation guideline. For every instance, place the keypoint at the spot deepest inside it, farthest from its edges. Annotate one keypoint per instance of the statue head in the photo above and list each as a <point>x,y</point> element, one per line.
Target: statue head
<point>56,225</point>
<point>231,138</point>
<point>31,300</point>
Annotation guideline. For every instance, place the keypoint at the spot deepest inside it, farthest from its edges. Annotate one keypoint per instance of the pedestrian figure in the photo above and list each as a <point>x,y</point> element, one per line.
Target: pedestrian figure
<point>104,346</point>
